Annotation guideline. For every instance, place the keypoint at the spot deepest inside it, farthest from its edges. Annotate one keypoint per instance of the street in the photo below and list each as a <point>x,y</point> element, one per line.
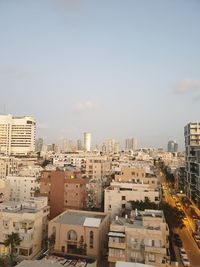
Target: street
<point>185,233</point>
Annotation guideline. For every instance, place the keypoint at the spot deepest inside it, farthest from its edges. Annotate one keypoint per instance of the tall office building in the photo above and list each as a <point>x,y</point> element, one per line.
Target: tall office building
<point>131,144</point>
<point>172,146</point>
<point>39,144</point>
<point>87,142</point>
<point>192,147</point>
<point>17,135</point>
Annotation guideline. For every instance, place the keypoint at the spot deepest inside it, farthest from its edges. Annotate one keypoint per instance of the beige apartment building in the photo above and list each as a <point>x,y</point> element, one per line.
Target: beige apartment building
<point>98,167</point>
<point>17,135</point>
<point>4,190</point>
<point>8,166</point>
<point>142,238</point>
<point>118,195</point>
<point>29,219</point>
<point>73,228</point>
<point>137,174</point>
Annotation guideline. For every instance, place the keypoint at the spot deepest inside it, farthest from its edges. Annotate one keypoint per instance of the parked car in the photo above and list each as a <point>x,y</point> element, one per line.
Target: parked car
<point>185,262</point>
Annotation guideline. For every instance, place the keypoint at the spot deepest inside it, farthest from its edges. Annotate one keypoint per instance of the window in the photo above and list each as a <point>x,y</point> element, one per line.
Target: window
<point>123,197</point>
<point>152,257</point>
<point>91,239</point>
<point>72,235</point>
<point>123,206</point>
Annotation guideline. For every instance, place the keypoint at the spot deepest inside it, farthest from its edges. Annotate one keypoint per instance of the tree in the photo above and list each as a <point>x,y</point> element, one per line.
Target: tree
<point>12,241</point>
<point>51,241</point>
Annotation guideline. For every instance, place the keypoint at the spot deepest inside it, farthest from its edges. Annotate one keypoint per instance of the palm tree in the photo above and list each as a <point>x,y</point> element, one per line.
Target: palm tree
<point>12,241</point>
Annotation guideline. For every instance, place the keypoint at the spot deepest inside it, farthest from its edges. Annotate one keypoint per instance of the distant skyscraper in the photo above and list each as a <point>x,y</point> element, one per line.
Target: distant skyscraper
<point>172,146</point>
<point>87,142</point>
<point>79,145</point>
<point>111,146</point>
<point>131,144</point>
<point>39,144</point>
<point>17,135</point>
<point>192,150</point>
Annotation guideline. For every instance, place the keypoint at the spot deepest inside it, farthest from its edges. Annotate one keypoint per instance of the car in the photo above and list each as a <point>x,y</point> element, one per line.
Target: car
<point>185,262</point>
<point>182,251</point>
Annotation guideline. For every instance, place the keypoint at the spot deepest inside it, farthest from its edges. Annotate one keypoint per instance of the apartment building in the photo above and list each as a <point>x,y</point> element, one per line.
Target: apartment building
<point>64,189</point>
<point>8,166</point>
<point>4,190</point>
<point>98,167</point>
<point>17,135</point>
<point>22,188</point>
<point>80,232</point>
<point>137,175</point>
<point>94,194</point>
<point>29,219</point>
<point>192,148</point>
<point>142,238</point>
<point>118,195</point>
<point>77,160</point>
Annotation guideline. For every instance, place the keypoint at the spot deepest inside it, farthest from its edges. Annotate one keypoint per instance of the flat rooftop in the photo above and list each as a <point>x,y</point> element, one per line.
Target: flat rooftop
<point>89,219</point>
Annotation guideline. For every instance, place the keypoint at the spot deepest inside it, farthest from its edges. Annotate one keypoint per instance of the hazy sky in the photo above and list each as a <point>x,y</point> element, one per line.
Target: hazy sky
<point>114,68</point>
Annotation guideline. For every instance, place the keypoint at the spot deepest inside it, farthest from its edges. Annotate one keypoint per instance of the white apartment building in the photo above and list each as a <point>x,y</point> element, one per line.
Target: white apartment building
<point>8,166</point>
<point>77,160</point>
<point>22,188</point>
<point>118,195</point>
<point>98,167</point>
<point>17,135</point>
<point>142,238</point>
<point>29,219</point>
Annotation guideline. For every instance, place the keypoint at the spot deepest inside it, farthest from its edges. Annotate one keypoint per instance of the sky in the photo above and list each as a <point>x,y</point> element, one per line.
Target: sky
<point>117,69</point>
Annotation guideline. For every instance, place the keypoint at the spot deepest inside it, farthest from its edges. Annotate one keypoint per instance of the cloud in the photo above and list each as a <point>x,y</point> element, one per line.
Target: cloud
<point>42,126</point>
<point>85,106</point>
<point>187,86</point>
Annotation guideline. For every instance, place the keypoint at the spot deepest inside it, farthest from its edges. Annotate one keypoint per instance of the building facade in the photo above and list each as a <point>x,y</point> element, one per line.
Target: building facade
<point>80,232</point>
<point>17,135</point>
<point>64,190</point>
<point>192,150</point>
<point>87,142</point>
<point>22,188</point>
<point>117,196</point>
<point>142,238</point>
<point>29,220</point>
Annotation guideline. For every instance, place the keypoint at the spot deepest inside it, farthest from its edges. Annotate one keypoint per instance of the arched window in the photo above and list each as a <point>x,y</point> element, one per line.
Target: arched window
<point>91,239</point>
<point>72,235</point>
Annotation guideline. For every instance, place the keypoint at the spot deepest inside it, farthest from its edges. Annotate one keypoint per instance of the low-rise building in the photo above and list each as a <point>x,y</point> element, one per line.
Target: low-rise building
<point>142,238</point>
<point>80,232</point>
<point>22,188</point>
<point>8,166</point>
<point>29,220</point>
<point>4,190</point>
<point>118,195</point>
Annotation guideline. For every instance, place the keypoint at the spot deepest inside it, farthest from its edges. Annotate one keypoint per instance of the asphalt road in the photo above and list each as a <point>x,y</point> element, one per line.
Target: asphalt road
<point>185,233</point>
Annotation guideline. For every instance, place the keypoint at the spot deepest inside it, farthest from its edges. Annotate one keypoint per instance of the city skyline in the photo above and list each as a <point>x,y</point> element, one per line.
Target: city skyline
<point>114,70</point>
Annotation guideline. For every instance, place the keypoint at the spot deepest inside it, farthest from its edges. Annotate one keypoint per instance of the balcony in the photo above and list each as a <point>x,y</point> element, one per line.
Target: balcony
<point>117,245</point>
<point>157,250</point>
<point>116,258</point>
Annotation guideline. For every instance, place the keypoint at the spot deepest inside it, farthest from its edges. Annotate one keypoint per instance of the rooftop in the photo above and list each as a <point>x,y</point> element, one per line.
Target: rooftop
<point>89,219</point>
